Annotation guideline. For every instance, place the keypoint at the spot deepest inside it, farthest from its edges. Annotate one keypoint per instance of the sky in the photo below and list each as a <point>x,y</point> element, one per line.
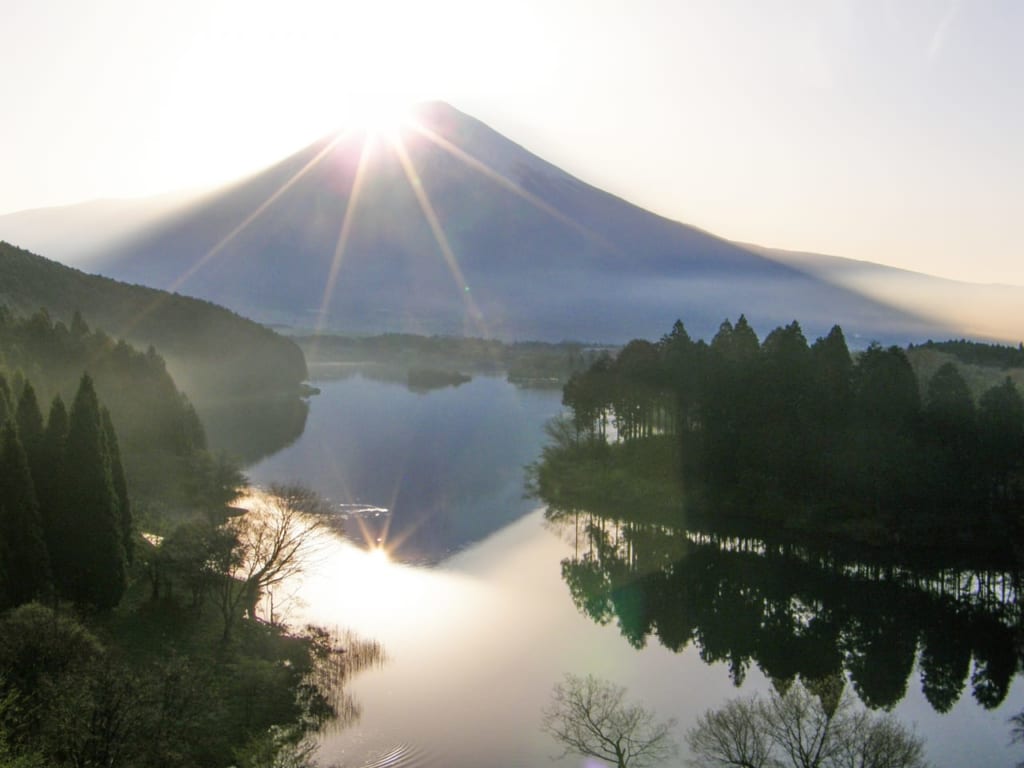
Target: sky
<point>883,130</point>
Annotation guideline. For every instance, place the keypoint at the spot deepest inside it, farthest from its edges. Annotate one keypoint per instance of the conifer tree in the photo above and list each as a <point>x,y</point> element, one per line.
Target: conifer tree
<point>48,481</point>
<point>26,563</point>
<point>833,375</point>
<point>79,328</point>
<point>1001,417</point>
<point>30,428</point>
<point>744,340</point>
<point>949,406</point>
<point>120,485</point>
<point>88,514</point>
<point>5,400</point>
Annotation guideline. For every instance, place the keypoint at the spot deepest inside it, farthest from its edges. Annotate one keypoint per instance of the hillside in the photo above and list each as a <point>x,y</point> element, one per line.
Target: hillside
<point>239,374</point>
<point>209,349</point>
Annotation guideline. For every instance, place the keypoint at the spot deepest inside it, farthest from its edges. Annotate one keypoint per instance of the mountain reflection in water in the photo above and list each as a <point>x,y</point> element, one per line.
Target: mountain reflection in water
<point>422,475</point>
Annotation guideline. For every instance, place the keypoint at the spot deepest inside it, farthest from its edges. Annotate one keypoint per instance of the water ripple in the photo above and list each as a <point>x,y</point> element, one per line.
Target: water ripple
<point>401,756</point>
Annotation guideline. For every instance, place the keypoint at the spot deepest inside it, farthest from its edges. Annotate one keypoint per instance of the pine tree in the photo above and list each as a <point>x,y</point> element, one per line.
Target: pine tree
<point>120,485</point>
<point>26,563</point>
<point>88,517</point>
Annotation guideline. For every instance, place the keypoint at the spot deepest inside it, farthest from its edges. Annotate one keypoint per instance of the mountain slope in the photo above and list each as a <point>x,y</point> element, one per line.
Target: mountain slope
<point>977,310</point>
<point>212,352</point>
<point>459,230</point>
<point>76,234</point>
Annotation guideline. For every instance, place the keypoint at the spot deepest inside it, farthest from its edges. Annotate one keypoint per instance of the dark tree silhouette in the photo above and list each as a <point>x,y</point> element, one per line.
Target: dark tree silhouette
<point>1001,428</point>
<point>30,427</point>
<point>49,481</point>
<point>24,561</point>
<point>91,557</point>
<point>120,486</point>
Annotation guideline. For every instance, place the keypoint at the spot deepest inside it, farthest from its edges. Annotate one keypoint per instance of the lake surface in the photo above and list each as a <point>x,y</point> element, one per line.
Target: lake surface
<point>472,606</point>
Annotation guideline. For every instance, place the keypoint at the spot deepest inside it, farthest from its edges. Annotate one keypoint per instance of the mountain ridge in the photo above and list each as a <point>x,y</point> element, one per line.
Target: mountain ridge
<point>208,348</point>
<point>462,231</point>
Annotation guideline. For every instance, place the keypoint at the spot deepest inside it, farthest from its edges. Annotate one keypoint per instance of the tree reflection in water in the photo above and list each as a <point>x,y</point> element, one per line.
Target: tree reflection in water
<point>798,611</point>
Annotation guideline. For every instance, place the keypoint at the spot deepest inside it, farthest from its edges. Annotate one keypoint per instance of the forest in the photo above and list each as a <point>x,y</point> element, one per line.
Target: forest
<point>129,632</point>
<point>797,437</point>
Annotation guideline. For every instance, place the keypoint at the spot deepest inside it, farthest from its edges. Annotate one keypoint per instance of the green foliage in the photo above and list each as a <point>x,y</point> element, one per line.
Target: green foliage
<point>978,353</point>
<point>277,747</point>
<point>160,440</point>
<point>812,438</point>
<point>6,412</point>
<point>30,423</point>
<point>90,563</point>
<point>24,560</point>
<point>159,692</point>
<point>48,474</point>
<point>40,653</point>
<point>120,485</point>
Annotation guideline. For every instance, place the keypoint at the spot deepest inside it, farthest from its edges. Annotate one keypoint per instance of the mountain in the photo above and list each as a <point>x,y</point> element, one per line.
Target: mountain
<point>78,234</point>
<point>216,357</point>
<point>457,230</point>
<point>977,310</point>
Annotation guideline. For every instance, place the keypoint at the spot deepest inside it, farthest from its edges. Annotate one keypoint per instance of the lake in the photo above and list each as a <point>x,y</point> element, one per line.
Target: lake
<point>478,621</point>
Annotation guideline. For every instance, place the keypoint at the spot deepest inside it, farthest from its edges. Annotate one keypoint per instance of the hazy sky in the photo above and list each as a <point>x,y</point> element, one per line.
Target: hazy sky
<point>888,131</point>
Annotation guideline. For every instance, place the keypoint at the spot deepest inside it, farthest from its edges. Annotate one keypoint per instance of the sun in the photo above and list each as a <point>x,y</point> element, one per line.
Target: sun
<point>379,115</point>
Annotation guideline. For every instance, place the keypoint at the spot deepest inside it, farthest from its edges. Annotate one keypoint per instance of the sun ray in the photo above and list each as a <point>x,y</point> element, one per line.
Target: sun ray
<point>343,235</point>
<point>234,232</point>
<point>256,213</point>
<point>368,537</point>
<point>442,241</point>
<point>482,167</point>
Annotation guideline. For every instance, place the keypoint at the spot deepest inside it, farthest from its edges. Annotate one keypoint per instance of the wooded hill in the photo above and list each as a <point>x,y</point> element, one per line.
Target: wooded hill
<point>163,441</point>
<point>210,351</point>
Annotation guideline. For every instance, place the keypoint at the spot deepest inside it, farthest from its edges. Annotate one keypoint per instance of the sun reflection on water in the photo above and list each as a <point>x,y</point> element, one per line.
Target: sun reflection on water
<point>384,599</point>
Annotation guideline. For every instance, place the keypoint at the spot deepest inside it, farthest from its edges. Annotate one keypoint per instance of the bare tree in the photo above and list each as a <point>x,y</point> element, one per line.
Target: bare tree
<point>731,736</point>
<point>262,548</point>
<point>1017,732</point>
<point>802,729</point>
<point>591,718</point>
